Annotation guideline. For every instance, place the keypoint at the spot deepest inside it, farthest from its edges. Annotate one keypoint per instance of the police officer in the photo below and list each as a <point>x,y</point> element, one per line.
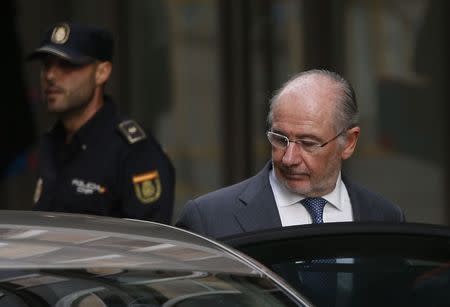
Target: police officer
<point>93,160</point>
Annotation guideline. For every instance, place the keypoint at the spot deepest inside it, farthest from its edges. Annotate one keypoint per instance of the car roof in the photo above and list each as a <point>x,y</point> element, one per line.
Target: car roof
<point>63,240</point>
<point>76,252</point>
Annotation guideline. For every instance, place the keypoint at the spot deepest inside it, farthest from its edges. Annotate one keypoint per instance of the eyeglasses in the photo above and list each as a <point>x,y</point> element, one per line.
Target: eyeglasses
<point>310,146</point>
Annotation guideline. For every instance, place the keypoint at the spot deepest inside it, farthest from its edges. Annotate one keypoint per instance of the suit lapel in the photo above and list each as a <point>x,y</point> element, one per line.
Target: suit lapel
<point>257,208</point>
<point>359,214</point>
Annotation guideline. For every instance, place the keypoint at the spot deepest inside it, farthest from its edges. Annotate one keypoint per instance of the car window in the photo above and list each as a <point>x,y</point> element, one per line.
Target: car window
<point>357,265</point>
<point>369,281</point>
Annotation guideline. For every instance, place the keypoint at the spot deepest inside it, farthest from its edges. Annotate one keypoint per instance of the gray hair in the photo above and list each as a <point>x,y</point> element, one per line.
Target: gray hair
<point>347,114</point>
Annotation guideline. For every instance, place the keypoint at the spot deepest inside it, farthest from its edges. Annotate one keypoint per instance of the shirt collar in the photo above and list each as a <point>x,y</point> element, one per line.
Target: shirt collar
<point>335,196</point>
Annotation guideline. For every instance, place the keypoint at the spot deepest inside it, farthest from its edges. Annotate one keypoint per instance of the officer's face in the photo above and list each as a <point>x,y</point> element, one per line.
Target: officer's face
<point>308,115</point>
<point>66,88</point>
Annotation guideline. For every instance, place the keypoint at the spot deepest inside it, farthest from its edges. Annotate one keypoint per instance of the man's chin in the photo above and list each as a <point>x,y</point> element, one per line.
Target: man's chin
<point>302,187</point>
<point>53,107</point>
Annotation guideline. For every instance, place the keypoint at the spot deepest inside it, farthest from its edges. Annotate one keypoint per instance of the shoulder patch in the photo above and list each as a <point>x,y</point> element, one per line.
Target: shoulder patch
<point>132,131</point>
<point>147,187</point>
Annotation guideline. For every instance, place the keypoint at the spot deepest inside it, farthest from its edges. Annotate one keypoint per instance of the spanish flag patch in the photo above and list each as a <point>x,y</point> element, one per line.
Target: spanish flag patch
<point>147,186</point>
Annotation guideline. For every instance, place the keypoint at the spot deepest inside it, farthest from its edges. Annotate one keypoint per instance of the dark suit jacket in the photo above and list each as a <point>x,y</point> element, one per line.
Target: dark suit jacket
<point>250,206</point>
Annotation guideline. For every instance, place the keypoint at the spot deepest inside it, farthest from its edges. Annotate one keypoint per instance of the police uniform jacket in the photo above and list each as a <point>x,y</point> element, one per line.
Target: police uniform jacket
<point>111,167</point>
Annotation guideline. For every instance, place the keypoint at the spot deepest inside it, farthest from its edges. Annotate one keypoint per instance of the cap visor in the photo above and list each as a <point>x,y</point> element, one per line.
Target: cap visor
<point>72,58</point>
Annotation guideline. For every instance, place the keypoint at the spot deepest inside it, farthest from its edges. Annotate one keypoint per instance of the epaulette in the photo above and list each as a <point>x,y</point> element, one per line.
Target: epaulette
<point>132,131</point>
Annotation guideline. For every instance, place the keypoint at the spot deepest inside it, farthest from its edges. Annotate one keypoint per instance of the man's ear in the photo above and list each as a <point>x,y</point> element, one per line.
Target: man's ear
<point>351,135</point>
<point>103,72</point>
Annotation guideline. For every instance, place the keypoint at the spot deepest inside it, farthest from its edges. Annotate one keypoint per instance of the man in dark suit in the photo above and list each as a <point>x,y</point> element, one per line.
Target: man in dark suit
<point>313,127</point>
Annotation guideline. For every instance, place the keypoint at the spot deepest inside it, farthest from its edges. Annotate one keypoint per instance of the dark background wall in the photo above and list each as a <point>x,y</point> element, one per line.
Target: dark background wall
<point>199,74</point>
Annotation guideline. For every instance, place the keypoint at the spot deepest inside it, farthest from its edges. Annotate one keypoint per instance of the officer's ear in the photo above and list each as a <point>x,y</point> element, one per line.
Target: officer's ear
<point>103,72</point>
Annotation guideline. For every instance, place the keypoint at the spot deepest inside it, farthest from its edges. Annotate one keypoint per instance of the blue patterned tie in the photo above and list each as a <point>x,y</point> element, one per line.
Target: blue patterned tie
<point>320,286</point>
<point>314,205</point>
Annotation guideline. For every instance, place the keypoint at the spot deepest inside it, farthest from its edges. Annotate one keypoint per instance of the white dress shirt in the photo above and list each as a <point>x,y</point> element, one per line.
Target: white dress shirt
<point>337,209</point>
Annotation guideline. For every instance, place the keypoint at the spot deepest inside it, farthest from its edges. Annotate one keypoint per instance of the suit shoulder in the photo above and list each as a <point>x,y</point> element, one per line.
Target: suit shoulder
<point>371,200</point>
<point>365,193</point>
<point>225,194</point>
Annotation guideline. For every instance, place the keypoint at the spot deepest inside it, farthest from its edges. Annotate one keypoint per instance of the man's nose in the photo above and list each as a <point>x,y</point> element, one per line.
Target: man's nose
<point>292,154</point>
<point>48,73</point>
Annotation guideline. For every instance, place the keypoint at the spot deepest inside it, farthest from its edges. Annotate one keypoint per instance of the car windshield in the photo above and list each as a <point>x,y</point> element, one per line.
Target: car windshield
<point>115,287</point>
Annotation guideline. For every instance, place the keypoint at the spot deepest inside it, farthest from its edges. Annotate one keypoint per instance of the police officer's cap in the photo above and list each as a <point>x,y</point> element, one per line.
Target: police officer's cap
<point>76,43</point>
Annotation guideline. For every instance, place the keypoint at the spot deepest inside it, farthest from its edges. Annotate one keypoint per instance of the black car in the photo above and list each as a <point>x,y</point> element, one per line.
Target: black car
<point>57,259</point>
<point>358,264</point>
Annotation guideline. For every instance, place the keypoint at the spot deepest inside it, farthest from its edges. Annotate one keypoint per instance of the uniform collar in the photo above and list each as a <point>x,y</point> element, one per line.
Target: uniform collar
<point>97,126</point>
<point>94,128</point>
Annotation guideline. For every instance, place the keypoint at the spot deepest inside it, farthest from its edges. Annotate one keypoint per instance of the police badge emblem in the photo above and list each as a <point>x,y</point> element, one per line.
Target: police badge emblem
<point>147,187</point>
<point>60,33</point>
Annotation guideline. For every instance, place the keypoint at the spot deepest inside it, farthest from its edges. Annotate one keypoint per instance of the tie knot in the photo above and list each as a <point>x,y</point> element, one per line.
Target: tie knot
<point>314,205</point>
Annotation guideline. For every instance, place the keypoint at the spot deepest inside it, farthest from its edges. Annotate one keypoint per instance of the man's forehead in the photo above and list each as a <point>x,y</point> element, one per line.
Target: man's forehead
<point>299,109</point>
<point>311,99</point>
<point>314,108</point>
